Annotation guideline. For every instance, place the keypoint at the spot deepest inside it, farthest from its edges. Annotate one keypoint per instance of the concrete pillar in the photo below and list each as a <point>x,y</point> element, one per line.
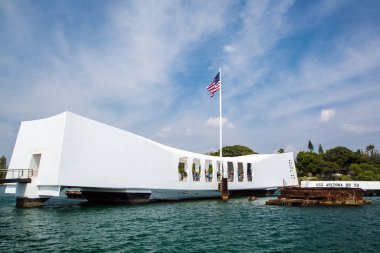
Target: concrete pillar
<point>197,163</point>
<point>189,166</point>
<point>225,169</point>
<point>236,175</point>
<point>27,195</point>
<point>203,167</point>
<point>245,172</point>
<point>224,194</point>
<point>214,171</point>
<point>30,202</point>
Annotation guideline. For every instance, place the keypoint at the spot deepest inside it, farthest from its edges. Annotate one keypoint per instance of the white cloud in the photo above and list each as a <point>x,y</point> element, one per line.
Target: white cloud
<point>119,75</point>
<point>228,48</point>
<point>127,70</point>
<point>358,129</point>
<point>188,131</point>
<point>326,115</point>
<point>215,122</point>
<point>262,26</point>
<point>165,131</point>
<point>291,148</point>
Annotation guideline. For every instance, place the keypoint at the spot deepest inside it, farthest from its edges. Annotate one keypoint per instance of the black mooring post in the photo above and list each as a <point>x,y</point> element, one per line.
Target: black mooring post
<point>224,188</point>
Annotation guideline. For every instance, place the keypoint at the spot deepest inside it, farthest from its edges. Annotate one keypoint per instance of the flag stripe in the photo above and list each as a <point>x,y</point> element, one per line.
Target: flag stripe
<point>214,85</point>
<point>214,88</point>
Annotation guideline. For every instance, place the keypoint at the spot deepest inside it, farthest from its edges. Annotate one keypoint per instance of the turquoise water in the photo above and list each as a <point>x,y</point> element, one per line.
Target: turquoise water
<point>197,226</point>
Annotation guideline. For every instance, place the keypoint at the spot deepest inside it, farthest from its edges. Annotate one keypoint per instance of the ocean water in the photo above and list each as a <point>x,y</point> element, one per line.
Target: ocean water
<point>191,226</point>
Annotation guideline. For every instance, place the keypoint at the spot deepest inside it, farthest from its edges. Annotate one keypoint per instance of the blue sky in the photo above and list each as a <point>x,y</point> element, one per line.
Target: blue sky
<point>291,70</point>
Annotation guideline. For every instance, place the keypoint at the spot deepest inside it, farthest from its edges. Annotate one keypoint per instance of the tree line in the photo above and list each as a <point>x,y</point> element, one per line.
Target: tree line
<point>339,163</point>
<point>233,151</point>
<point>3,166</point>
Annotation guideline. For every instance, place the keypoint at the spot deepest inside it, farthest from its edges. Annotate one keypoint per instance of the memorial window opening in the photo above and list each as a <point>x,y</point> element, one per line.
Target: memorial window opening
<point>208,171</point>
<point>196,170</point>
<point>230,171</point>
<point>182,169</point>
<point>249,172</point>
<point>218,172</point>
<point>240,172</point>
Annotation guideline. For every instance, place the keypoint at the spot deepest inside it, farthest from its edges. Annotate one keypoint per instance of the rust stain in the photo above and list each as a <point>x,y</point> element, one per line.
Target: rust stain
<point>295,196</point>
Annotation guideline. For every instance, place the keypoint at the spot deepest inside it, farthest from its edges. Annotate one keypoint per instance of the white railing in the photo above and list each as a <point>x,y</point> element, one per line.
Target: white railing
<point>17,173</point>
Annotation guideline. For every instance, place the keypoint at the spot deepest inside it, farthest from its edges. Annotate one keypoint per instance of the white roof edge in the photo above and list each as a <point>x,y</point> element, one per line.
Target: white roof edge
<point>49,117</point>
<point>177,151</point>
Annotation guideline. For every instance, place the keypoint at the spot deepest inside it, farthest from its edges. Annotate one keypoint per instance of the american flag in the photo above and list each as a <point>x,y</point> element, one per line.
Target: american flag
<point>214,85</point>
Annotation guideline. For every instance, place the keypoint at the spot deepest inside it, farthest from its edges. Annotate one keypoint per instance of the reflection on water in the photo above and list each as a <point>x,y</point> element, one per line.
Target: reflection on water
<point>238,225</point>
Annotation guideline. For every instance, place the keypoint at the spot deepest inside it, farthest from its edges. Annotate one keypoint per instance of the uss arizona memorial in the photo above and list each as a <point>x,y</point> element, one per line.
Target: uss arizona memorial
<point>106,164</point>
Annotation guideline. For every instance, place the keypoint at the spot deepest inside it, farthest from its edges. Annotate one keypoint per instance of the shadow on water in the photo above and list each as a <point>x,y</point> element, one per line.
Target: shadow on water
<point>57,202</point>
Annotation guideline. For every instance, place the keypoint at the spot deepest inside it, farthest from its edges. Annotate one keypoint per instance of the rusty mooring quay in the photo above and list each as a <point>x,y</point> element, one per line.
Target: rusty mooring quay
<point>295,196</point>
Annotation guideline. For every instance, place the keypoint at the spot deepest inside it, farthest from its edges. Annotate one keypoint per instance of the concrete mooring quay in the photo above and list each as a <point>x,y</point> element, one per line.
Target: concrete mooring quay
<point>295,196</point>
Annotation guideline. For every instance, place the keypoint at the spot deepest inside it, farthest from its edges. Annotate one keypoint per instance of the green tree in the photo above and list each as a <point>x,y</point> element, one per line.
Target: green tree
<point>369,149</point>
<point>372,154</point>
<point>365,171</point>
<point>181,168</point>
<point>307,162</point>
<point>3,163</point>
<point>344,157</point>
<point>328,169</point>
<point>320,149</point>
<point>3,166</point>
<point>280,151</point>
<point>235,150</point>
<point>374,158</point>
<point>210,169</point>
<point>310,146</point>
<point>367,176</point>
<point>359,151</point>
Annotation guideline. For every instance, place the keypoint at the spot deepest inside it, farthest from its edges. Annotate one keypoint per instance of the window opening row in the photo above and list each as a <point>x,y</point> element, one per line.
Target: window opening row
<point>196,171</point>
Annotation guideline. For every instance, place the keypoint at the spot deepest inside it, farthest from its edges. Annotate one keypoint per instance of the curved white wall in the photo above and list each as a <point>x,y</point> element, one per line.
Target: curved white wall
<point>79,152</point>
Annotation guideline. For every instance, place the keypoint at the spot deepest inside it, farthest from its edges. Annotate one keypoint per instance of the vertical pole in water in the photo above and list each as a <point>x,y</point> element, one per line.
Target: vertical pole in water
<point>224,181</point>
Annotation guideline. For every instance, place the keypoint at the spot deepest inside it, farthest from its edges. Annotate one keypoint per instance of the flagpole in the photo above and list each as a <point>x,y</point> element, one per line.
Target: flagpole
<point>224,180</point>
<point>220,124</point>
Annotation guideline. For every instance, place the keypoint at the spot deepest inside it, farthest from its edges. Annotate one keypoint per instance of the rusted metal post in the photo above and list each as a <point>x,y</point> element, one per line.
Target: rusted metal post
<point>224,194</point>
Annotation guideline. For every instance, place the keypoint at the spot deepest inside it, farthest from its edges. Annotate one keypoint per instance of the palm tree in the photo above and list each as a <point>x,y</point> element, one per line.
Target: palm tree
<point>369,149</point>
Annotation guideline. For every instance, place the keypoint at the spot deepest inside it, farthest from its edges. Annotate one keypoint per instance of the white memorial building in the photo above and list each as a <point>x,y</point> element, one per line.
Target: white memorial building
<point>106,164</point>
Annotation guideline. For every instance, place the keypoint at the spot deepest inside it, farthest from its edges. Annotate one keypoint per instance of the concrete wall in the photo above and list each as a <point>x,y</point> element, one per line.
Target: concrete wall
<point>365,185</point>
<point>97,155</point>
<point>43,137</point>
<point>79,152</point>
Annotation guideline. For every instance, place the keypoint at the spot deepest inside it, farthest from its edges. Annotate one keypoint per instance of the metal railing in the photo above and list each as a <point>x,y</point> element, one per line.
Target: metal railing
<point>17,173</point>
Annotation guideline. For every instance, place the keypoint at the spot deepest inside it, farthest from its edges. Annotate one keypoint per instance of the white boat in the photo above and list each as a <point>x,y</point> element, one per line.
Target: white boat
<point>107,164</point>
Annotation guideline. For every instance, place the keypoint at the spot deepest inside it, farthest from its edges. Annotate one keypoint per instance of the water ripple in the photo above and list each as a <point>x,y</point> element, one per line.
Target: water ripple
<point>198,226</point>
